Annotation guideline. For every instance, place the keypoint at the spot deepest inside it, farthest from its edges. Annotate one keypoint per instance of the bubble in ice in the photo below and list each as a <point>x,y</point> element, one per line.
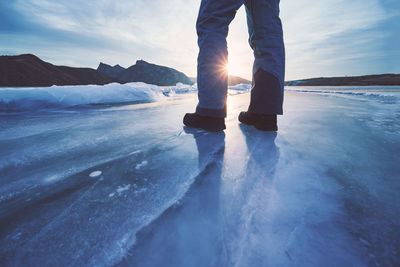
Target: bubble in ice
<point>140,165</point>
<point>95,174</point>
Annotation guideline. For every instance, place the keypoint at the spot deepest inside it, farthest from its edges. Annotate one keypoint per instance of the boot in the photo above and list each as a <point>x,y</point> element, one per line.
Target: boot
<point>210,124</point>
<point>263,122</point>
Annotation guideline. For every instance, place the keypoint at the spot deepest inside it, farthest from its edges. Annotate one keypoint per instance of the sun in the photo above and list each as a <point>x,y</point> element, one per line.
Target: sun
<point>228,69</point>
<point>232,67</point>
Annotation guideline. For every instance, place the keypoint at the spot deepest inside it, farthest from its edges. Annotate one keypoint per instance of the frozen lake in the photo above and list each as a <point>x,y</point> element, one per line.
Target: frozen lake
<point>127,185</point>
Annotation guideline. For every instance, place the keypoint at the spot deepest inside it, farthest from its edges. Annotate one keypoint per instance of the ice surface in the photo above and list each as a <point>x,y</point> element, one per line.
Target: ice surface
<point>95,174</point>
<point>323,191</point>
<point>141,164</point>
<point>239,88</point>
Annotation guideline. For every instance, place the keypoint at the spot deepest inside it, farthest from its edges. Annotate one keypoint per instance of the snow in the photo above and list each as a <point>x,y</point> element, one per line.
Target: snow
<point>388,94</point>
<point>56,97</point>
<point>322,191</point>
<point>180,88</point>
<point>17,99</point>
<point>239,88</point>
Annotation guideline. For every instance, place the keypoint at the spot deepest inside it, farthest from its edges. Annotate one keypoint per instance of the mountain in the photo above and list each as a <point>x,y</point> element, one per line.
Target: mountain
<point>193,79</point>
<point>234,80</point>
<point>380,79</point>
<point>29,70</point>
<point>110,71</point>
<point>146,72</point>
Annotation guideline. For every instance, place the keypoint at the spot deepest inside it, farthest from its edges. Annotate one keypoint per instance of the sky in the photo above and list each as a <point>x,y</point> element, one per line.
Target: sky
<point>322,38</point>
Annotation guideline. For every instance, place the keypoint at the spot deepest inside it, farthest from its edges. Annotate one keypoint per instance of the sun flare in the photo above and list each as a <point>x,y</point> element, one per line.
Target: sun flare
<point>233,68</point>
<point>227,69</point>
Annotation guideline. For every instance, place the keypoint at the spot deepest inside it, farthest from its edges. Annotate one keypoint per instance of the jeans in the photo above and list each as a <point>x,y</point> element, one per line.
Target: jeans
<point>265,38</point>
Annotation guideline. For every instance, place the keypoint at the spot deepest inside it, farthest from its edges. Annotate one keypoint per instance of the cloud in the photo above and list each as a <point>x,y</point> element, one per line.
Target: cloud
<point>327,37</point>
<point>153,30</point>
<point>332,37</point>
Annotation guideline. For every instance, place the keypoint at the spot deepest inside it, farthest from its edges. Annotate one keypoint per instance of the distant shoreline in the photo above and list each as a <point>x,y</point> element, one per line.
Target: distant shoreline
<point>365,80</point>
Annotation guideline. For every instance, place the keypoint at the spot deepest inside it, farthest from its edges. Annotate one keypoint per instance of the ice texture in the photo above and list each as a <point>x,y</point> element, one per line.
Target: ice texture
<point>95,174</point>
<point>322,191</point>
<point>239,88</point>
<point>141,164</point>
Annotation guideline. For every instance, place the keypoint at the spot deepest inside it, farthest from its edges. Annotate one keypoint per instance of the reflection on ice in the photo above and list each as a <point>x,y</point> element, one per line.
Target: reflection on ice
<point>186,234</point>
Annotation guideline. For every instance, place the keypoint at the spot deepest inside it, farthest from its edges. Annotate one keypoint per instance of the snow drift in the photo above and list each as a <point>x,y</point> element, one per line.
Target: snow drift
<point>36,98</point>
<point>22,99</point>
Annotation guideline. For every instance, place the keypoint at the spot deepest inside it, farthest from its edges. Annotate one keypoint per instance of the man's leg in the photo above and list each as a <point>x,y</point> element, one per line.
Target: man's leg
<point>266,40</point>
<point>212,80</point>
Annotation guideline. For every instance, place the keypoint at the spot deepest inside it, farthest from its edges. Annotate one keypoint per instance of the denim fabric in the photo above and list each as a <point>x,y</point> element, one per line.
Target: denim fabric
<point>265,38</point>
